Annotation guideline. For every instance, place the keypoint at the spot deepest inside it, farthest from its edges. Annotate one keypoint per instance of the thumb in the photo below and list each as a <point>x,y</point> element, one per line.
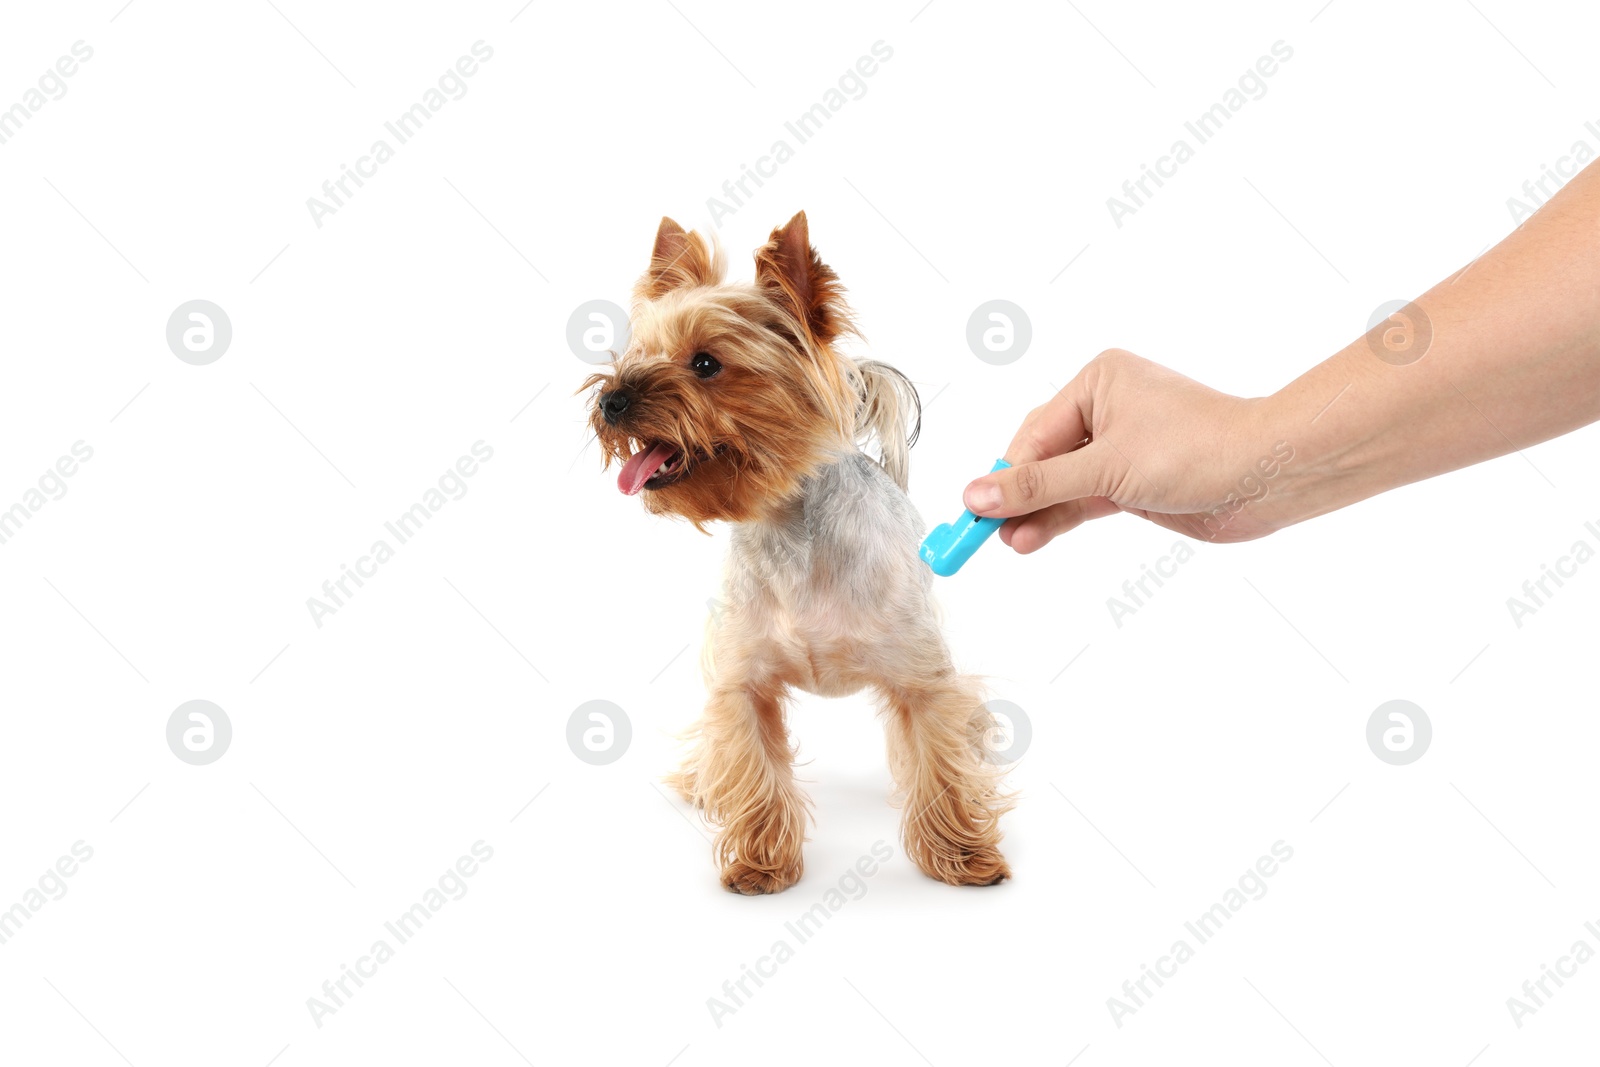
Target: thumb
<point>1028,487</point>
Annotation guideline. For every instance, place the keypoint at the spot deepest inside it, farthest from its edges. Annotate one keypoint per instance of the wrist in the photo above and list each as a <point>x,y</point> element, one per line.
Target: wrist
<point>1330,419</point>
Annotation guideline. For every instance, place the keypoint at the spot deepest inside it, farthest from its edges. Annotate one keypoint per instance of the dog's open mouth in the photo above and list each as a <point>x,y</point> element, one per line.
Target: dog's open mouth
<point>654,466</point>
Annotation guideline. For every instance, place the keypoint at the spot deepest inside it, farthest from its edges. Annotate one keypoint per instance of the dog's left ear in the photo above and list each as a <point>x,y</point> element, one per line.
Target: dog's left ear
<point>790,268</point>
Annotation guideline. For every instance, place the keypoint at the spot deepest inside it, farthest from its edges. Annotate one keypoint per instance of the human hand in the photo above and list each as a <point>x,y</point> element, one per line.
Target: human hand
<point>1130,435</point>
<point>1512,358</point>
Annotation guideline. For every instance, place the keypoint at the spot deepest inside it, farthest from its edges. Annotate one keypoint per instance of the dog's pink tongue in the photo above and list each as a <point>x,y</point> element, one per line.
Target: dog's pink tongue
<point>640,466</point>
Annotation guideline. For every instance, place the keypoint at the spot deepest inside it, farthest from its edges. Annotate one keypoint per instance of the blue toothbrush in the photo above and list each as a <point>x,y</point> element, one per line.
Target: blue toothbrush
<point>949,545</point>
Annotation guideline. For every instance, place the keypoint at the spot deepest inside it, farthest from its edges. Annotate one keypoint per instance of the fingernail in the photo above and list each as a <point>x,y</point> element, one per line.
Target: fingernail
<point>982,497</point>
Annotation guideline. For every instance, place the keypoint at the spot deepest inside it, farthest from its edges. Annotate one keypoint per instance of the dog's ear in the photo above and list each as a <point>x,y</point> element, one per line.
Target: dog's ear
<point>791,270</point>
<point>679,260</point>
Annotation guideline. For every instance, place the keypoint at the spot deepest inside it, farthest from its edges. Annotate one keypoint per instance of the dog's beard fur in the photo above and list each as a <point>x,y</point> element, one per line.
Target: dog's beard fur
<point>829,608</point>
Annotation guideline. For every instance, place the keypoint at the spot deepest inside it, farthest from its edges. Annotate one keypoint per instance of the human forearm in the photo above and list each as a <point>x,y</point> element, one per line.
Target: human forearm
<point>1500,356</point>
<point>1514,359</point>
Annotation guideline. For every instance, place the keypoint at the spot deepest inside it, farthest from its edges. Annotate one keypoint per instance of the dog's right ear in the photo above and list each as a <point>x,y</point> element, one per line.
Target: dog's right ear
<point>679,260</point>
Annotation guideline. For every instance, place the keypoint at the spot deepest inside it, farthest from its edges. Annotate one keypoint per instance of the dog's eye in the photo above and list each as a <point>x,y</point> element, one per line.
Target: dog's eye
<point>704,364</point>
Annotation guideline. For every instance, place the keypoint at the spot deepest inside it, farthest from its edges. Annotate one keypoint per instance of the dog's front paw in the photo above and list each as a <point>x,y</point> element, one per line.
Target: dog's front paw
<point>983,866</point>
<point>739,877</point>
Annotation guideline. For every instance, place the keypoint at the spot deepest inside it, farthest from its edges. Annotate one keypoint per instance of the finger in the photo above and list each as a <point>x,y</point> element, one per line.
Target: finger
<point>1058,425</point>
<point>1029,487</point>
<point>1030,533</point>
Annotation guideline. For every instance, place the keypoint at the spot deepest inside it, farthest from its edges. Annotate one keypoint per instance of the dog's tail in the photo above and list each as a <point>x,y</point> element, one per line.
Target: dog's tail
<point>889,412</point>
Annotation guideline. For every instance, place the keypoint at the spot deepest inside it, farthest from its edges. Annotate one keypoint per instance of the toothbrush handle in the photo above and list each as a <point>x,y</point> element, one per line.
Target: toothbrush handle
<point>951,544</point>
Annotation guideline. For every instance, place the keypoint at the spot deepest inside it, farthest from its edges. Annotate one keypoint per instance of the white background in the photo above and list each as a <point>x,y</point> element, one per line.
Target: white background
<point>430,312</point>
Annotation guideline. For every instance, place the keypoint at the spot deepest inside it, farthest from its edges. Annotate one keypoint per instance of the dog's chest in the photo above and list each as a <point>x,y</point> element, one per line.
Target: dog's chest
<point>823,582</point>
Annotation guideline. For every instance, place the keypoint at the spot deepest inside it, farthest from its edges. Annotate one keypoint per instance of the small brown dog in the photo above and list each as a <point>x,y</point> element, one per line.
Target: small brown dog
<point>731,403</point>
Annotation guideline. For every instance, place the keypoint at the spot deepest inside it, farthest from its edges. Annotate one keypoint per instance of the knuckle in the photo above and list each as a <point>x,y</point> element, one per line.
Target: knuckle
<point>1117,360</point>
<point>1028,483</point>
<point>1109,478</point>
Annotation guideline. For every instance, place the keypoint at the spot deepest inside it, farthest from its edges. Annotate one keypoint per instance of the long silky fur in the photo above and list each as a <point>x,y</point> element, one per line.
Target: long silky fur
<point>823,589</point>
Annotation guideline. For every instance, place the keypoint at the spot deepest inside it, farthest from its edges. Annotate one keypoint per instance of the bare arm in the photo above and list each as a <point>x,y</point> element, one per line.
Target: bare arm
<point>1502,355</point>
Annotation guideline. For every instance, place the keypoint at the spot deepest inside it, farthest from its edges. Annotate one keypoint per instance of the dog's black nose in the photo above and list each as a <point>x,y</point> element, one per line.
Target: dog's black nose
<point>613,404</point>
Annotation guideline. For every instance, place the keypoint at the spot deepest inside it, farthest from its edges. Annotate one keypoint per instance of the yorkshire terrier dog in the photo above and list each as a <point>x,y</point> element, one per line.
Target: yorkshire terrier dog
<point>732,403</point>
